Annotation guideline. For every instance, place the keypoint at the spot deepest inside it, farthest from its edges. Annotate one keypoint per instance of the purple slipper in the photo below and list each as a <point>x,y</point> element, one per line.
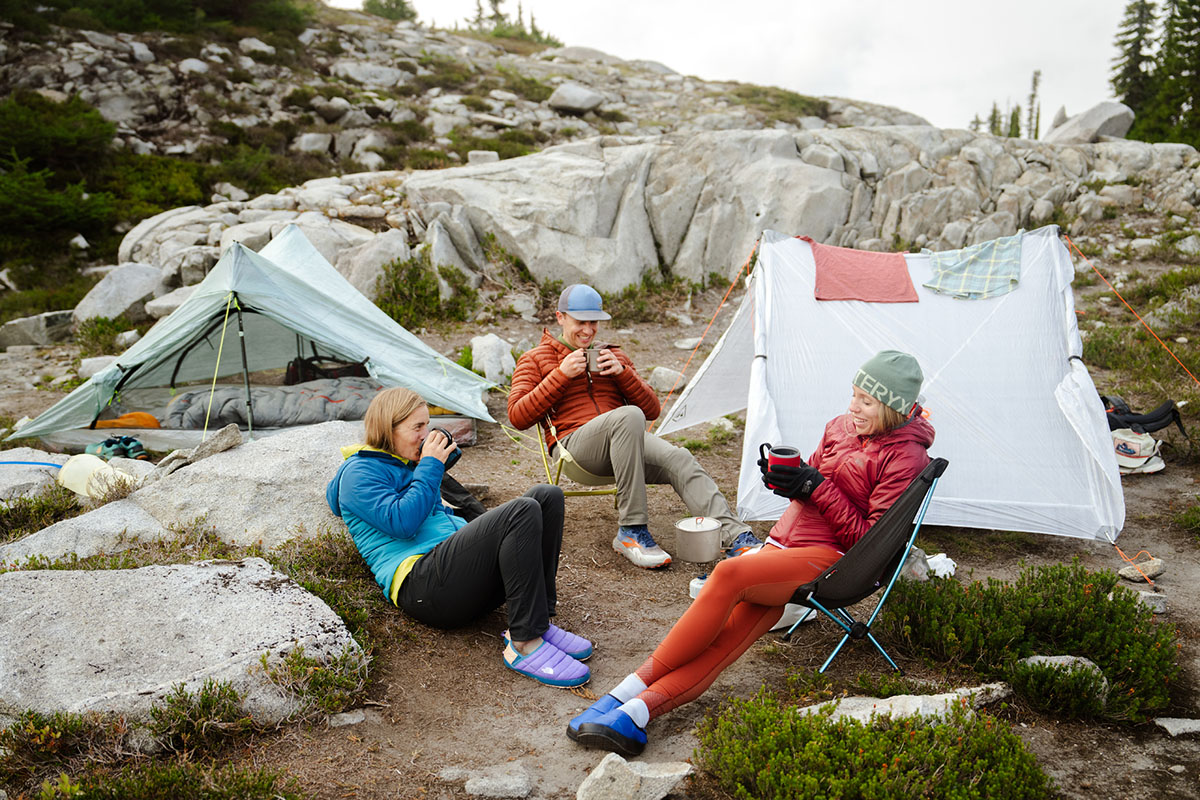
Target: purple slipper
<point>549,665</point>
<point>573,645</point>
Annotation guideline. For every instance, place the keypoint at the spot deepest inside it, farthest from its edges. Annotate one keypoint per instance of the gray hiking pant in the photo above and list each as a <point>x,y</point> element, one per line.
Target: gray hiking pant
<point>616,443</point>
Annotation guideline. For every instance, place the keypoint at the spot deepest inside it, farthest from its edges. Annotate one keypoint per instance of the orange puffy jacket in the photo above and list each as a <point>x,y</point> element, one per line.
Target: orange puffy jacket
<point>540,389</point>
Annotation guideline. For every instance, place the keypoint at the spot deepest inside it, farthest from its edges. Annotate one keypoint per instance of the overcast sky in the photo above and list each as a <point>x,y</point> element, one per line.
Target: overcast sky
<point>941,59</point>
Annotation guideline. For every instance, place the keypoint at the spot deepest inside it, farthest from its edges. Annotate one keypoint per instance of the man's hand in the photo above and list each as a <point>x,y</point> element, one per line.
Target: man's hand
<point>609,363</point>
<point>795,483</point>
<point>574,363</point>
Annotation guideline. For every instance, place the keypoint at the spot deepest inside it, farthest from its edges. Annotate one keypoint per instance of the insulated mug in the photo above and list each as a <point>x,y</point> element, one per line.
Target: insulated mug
<point>779,454</point>
<point>455,455</point>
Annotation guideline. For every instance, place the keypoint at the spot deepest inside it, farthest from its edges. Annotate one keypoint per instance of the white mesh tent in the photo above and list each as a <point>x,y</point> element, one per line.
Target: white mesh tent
<point>1015,410</point>
<point>288,300</point>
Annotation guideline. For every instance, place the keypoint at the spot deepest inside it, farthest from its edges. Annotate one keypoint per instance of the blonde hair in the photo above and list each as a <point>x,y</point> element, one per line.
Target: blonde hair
<point>389,408</point>
<point>890,418</point>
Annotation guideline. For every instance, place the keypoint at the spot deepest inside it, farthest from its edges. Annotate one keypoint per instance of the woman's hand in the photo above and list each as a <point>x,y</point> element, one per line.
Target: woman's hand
<point>437,445</point>
<point>794,483</point>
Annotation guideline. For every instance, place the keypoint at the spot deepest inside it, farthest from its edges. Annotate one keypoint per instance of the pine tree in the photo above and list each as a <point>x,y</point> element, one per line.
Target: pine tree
<point>1034,121</point>
<point>1014,123</point>
<point>1173,113</point>
<point>1132,79</point>
<point>994,121</point>
<point>975,125</point>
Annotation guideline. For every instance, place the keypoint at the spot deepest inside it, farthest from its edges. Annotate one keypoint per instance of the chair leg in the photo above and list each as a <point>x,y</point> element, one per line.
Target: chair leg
<point>884,653</point>
<point>808,612</point>
<point>833,655</point>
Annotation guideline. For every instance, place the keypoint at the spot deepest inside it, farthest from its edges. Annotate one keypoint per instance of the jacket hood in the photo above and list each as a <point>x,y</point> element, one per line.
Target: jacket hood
<point>917,429</point>
<point>364,450</point>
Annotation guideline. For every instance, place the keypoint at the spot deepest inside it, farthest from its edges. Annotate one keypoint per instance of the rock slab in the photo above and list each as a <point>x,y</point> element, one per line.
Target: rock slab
<point>126,638</point>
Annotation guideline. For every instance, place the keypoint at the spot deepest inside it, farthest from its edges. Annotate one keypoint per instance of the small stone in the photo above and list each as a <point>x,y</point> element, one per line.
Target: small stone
<point>1146,569</point>
<point>1178,769</point>
<point>1181,340</point>
<point>687,344</point>
<point>1175,726</point>
<point>347,718</point>
<point>614,778</point>
<point>1155,601</point>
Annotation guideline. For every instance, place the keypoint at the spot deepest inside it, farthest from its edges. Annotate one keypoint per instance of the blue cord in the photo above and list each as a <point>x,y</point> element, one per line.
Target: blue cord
<point>34,463</point>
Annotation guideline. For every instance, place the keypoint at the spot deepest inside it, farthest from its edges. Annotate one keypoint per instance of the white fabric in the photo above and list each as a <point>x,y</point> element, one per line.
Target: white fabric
<point>1016,416</point>
<point>290,297</point>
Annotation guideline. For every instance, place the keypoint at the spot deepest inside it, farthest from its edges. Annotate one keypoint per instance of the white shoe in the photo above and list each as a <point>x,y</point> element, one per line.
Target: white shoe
<point>636,544</point>
<point>793,612</point>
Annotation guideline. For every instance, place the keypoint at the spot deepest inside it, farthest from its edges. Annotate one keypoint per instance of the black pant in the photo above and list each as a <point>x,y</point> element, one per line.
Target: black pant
<point>510,554</point>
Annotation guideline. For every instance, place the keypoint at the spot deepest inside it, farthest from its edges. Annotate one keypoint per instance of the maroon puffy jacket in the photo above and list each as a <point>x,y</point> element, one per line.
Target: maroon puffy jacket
<point>540,389</point>
<point>864,475</point>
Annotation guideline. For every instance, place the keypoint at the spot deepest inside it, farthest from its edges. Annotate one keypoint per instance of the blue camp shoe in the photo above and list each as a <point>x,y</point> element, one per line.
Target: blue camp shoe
<point>108,449</point>
<point>134,449</point>
<point>591,714</point>
<point>614,731</point>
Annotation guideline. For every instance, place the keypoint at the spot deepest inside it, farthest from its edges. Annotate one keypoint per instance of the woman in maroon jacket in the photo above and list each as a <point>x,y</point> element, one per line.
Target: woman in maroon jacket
<point>865,460</point>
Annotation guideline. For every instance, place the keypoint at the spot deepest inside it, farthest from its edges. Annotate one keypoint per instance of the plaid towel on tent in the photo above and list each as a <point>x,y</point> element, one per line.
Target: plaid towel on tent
<point>982,270</point>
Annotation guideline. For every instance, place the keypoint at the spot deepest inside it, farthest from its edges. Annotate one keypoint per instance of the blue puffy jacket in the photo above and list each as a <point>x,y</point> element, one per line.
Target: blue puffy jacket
<point>391,506</point>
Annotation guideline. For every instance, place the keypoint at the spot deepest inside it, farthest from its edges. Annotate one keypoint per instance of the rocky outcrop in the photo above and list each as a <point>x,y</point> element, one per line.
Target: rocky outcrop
<point>612,209</point>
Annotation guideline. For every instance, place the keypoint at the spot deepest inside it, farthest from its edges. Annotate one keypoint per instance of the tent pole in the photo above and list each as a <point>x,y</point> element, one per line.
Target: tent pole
<point>245,373</point>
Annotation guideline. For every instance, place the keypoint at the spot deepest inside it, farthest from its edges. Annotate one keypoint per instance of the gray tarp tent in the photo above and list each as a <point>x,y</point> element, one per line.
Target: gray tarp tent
<point>288,300</point>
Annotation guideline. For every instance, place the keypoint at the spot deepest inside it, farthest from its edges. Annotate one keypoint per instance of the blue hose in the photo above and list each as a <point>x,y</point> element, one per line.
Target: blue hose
<point>34,463</point>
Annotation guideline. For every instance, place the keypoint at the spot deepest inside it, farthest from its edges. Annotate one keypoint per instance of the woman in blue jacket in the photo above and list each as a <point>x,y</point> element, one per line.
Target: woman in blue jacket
<point>441,569</point>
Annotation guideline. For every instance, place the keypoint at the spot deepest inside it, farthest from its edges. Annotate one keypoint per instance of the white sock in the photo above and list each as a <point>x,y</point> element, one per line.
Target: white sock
<point>637,711</point>
<point>629,688</point>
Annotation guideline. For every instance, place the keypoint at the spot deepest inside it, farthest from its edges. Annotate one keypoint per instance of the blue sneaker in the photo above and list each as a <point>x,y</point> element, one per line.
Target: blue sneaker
<point>744,543</point>
<point>636,544</point>
<point>615,731</point>
<point>591,714</point>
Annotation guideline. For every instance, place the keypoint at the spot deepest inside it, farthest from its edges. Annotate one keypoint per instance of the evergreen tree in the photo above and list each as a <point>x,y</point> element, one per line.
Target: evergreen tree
<point>390,9</point>
<point>1034,121</point>
<point>994,121</point>
<point>1173,113</point>
<point>1014,123</point>
<point>1132,79</point>
<point>975,125</point>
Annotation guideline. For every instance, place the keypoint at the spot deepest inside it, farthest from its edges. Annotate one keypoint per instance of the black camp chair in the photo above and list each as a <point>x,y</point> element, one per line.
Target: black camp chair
<point>874,562</point>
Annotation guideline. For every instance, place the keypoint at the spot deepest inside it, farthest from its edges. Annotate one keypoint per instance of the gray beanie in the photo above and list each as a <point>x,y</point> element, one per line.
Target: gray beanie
<point>893,378</point>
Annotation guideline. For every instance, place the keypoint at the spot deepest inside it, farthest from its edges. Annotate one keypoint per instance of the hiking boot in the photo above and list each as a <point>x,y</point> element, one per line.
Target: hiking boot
<point>575,646</point>
<point>591,714</point>
<point>108,449</point>
<point>549,665</point>
<point>133,449</point>
<point>615,731</point>
<point>636,544</point>
<point>744,543</point>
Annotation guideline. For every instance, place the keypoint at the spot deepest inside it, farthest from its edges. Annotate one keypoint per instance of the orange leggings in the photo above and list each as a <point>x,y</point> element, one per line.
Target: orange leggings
<point>742,599</point>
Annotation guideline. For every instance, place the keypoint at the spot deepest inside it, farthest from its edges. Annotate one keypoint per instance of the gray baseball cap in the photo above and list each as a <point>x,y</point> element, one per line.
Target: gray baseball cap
<point>581,302</point>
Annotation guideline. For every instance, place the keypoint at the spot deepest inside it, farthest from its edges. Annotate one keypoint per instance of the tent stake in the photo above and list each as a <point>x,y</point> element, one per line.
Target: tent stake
<point>245,374</point>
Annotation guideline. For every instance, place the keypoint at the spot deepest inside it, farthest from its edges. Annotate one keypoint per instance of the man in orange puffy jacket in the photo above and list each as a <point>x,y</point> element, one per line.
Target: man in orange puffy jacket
<point>599,414</point>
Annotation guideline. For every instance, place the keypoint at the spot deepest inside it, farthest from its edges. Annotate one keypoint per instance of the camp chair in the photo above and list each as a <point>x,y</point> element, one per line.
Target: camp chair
<point>568,466</point>
<point>873,562</point>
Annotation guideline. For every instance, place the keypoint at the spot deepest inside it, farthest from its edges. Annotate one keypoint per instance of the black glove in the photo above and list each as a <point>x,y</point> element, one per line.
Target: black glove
<point>763,465</point>
<point>796,483</point>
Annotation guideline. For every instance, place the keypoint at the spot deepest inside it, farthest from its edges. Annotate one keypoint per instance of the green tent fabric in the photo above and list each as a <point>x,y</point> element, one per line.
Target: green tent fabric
<point>291,299</point>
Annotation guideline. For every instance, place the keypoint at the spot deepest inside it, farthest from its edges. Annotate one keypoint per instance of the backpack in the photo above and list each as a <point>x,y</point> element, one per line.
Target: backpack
<point>1120,416</point>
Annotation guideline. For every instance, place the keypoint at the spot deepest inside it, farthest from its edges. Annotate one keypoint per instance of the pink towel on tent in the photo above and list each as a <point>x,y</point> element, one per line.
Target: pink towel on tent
<point>846,274</point>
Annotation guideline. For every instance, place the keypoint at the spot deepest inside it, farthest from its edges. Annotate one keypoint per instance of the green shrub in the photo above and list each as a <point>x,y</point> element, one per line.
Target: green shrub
<point>36,745</point>
<point>760,748</point>
<point>1064,693</point>
<point>445,73</point>
<point>32,206</point>
<point>22,516</point>
<point>780,104</point>
<point>320,688</point>
<point>1189,519</point>
<point>68,138</point>
<point>188,721</point>
<point>645,302</point>
<point>529,88</point>
<point>98,336</point>
<point>390,9</point>
<point>466,358</point>
<point>407,291</point>
<point>177,780</point>
<point>1052,610</point>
